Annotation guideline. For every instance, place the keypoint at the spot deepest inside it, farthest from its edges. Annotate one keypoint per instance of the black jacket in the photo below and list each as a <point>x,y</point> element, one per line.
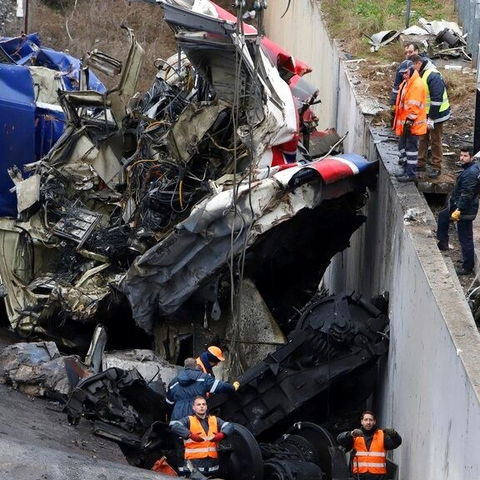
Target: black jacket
<point>465,193</point>
<point>436,88</point>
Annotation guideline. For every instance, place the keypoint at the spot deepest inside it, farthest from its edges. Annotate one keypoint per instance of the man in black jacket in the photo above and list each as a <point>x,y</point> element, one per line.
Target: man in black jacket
<point>462,209</point>
<point>369,445</point>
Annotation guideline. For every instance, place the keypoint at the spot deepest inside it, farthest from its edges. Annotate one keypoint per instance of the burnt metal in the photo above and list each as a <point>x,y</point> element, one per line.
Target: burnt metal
<point>327,454</point>
<point>76,224</point>
<point>117,397</point>
<point>327,366</point>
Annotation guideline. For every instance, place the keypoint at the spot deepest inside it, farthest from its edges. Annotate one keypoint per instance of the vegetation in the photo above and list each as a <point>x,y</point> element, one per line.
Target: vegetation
<point>353,19</point>
<point>81,26</point>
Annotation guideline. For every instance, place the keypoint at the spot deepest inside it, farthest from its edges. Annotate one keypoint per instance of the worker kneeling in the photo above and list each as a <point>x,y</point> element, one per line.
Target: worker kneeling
<point>201,433</point>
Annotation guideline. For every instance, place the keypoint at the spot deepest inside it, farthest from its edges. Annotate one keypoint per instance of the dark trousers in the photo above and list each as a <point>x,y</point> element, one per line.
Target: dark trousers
<point>434,138</point>
<point>465,236</point>
<point>369,476</point>
<point>408,148</point>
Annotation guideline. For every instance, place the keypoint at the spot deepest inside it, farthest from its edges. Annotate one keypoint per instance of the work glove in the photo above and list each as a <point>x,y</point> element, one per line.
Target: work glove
<point>455,216</point>
<point>217,437</point>
<point>407,128</point>
<point>195,437</point>
<point>357,433</point>
<point>430,124</point>
<point>389,431</point>
<point>236,385</point>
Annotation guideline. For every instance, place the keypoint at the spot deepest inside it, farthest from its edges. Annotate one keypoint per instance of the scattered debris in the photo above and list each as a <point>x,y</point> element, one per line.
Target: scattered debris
<point>36,369</point>
<point>441,38</point>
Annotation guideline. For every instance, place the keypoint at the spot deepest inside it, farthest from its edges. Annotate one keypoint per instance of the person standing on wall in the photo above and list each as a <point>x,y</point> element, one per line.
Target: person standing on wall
<point>410,49</point>
<point>438,112</point>
<point>462,209</point>
<point>410,121</point>
<point>369,446</point>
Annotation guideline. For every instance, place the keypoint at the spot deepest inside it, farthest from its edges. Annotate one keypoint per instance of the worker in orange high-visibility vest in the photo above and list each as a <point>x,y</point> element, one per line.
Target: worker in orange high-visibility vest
<point>368,446</point>
<point>209,359</point>
<point>201,433</point>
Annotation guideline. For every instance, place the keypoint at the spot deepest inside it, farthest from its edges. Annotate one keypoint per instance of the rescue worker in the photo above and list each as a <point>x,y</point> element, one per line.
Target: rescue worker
<point>438,112</point>
<point>369,446</point>
<point>410,121</point>
<point>209,359</point>
<point>190,383</point>
<point>409,49</point>
<point>201,433</point>
<point>462,209</point>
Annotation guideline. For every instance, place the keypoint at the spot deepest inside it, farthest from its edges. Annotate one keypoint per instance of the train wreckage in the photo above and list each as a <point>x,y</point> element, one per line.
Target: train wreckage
<point>206,209</point>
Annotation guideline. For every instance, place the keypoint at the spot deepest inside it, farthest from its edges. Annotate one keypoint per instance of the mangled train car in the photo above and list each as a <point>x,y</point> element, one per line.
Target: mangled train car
<point>153,212</point>
<point>206,209</point>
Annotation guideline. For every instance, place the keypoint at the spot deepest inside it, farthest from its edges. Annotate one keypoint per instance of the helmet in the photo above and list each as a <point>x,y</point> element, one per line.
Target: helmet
<point>216,352</point>
<point>405,66</point>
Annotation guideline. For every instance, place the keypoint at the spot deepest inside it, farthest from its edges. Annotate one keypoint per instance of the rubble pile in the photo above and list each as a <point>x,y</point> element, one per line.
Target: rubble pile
<point>132,206</point>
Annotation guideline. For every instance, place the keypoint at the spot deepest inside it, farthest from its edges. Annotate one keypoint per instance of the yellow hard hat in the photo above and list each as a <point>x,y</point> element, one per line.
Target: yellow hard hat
<point>217,352</point>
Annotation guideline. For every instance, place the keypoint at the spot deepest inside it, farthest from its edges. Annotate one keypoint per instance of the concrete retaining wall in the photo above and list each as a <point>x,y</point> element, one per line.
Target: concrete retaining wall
<point>430,390</point>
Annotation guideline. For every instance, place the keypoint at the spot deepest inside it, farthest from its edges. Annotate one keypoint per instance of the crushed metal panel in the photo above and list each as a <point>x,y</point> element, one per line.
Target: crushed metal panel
<point>107,161</point>
<point>267,99</point>
<point>16,272</point>
<point>133,65</point>
<point>46,82</point>
<point>215,60</point>
<point>121,397</point>
<point>28,192</point>
<point>200,245</point>
<point>70,140</point>
<point>189,20</point>
<point>191,127</point>
<point>102,62</point>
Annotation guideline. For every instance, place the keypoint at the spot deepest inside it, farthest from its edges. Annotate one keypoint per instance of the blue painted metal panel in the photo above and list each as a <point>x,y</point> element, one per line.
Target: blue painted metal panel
<point>49,127</point>
<point>17,128</point>
<point>29,132</point>
<point>22,49</point>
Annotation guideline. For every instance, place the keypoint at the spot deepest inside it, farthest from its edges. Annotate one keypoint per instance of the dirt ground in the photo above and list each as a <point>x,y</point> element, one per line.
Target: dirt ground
<point>38,421</point>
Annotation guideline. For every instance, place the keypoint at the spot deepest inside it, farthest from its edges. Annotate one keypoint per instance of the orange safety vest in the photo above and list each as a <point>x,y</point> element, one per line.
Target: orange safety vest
<point>373,460</point>
<point>205,449</point>
<point>411,104</point>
